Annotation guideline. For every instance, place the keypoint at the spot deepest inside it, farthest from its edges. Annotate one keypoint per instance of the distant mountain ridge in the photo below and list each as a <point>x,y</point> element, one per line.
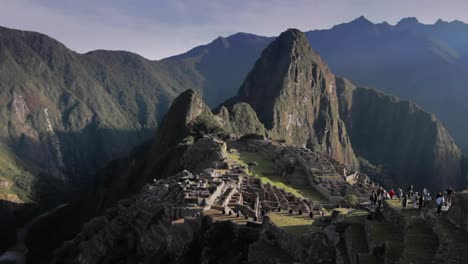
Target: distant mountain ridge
<point>424,63</point>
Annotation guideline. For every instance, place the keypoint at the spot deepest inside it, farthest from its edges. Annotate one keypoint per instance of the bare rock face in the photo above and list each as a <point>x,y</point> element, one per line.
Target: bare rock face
<point>294,95</point>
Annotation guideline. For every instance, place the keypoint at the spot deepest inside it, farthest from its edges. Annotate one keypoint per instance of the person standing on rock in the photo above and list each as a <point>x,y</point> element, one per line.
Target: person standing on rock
<point>415,200</point>
<point>449,193</point>
<point>440,201</point>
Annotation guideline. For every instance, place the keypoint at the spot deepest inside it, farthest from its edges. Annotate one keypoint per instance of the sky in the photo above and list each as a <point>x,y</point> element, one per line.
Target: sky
<point>161,28</point>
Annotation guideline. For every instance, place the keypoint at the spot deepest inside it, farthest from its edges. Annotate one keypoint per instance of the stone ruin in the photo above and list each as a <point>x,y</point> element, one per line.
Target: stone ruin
<point>303,167</point>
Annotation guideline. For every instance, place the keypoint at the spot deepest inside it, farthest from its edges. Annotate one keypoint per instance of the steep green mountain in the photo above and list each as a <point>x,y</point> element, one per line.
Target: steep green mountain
<point>402,60</point>
<point>65,114</point>
<point>294,95</point>
<point>411,143</point>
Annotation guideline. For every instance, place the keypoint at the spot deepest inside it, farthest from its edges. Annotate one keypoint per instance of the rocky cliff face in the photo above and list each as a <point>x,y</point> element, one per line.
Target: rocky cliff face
<point>294,95</point>
<point>411,143</point>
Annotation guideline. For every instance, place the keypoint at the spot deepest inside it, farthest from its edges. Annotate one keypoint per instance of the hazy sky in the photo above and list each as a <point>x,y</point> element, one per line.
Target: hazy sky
<point>160,28</point>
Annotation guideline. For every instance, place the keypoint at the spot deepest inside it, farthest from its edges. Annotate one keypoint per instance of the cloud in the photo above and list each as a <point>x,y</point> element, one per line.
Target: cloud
<point>160,28</point>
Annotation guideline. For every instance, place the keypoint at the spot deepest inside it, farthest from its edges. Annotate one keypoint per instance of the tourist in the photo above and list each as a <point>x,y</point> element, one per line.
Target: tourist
<point>391,193</point>
<point>440,201</point>
<point>311,214</point>
<point>415,200</point>
<point>386,196</point>
<point>410,191</point>
<point>425,192</point>
<point>371,199</point>
<point>449,193</point>
<point>421,202</point>
<point>380,198</point>
<point>405,201</point>
<point>400,193</point>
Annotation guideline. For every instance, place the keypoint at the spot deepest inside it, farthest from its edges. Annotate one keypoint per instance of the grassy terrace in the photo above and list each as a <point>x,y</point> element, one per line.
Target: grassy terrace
<point>295,224</point>
<point>396,204</point>
<point>267,174</point>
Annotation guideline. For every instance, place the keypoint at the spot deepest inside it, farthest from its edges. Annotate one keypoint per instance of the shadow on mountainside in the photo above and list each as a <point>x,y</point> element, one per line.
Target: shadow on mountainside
<point>80,188</point>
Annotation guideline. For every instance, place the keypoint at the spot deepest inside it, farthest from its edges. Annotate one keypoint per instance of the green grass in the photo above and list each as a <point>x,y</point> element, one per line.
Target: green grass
<point>12,172</point>
<point>295,224</point>
<point>267,174</point>
<point>356,217</point>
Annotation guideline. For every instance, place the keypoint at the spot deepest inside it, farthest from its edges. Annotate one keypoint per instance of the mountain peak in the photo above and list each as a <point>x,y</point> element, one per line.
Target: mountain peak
<point>408,21</point>
<point>361,20</point>
<point>292,36</point>
<point>358,23</point>
<point>440,21</point>
<point>294,95</point>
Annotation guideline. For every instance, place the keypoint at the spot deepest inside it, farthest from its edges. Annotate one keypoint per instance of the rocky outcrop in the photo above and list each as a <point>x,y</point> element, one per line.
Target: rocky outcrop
<point>458,213</point>
<point>207,152</point>
<point>411,143</point>
<point>240,119</point>
<point>188,120</point>
<point>294,95</point>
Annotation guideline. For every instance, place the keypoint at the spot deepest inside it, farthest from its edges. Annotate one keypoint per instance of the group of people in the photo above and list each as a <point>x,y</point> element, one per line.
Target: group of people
<point>418,200</point>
